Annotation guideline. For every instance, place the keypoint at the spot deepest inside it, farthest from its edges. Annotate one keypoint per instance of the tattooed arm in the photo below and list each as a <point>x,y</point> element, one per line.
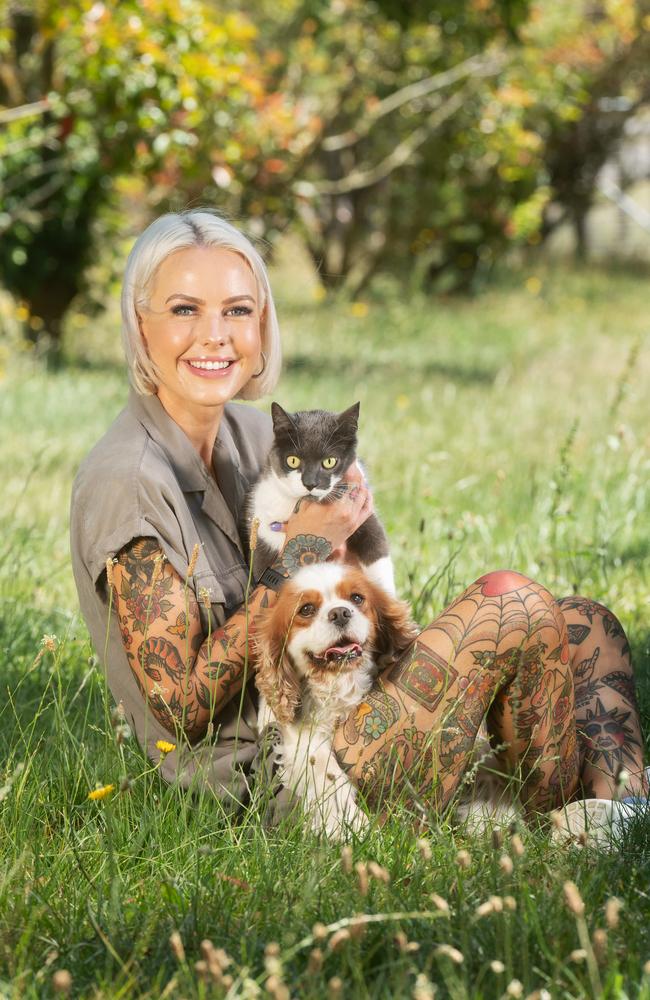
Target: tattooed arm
<point>185,676</point>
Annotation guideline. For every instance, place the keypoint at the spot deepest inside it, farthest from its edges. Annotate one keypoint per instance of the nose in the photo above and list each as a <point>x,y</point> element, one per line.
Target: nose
<point>307,483</point>
<point>339,616</point>
<point>213,330</point>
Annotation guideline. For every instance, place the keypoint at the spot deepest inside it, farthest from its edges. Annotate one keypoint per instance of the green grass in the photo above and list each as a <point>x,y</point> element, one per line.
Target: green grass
<point>511,430</point>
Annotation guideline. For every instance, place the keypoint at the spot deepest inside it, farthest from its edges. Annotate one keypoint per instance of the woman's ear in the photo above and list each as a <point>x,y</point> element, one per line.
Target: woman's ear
<point>275,677</point>
<point>396,629</point>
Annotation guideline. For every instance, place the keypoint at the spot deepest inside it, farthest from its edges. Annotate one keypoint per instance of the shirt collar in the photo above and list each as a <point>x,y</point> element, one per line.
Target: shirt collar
<point>186,462</point>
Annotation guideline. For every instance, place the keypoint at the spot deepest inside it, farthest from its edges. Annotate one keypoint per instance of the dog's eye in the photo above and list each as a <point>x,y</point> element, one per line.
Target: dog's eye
<point>293,461</point>
<point>329,463</point>
<point>307,610</point>
<point>357,598</point>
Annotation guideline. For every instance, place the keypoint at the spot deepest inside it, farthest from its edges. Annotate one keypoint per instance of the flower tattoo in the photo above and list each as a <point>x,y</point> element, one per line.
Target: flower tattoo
<point>304,550</point>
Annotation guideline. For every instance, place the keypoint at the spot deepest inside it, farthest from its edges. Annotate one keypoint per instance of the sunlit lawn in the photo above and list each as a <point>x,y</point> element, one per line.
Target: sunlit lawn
<point>510,430</point>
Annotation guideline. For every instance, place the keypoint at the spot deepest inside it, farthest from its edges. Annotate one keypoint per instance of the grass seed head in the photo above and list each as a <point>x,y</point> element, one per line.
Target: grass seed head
<point>578,955</point>
<point>255,527</point>
<point>176,945</point>
<point>517,845</point>
<point>277,989</point>
<point>378,872</point>
<point>463,859</point>
<point>405,946</point>
<point>573,899</point>
<point>599,944</point>
<point>335,988</point>
<point>424,988</point>
<point>539,995</point>
<point>118,716</point>
<point>484,909</point>
<point>646,968</point>
<point>514,988</point>
<point>510,903</point>
<point>315,963</point>
<point>347,859</point>
<point>319,932</point>
<point>62,982</point>
<point>338,938</point>
<point>201,969</point>
<point>109,572</point>
<point>361,869</point>
<point>613,908</point>
<point>505,864</point>
<point>497,966</point>
<point>440,903</point>
<point>204,598</point>
<point>448,951</point>
<point>191,566</point>
<point>272,949</point>
<point>424,847</point>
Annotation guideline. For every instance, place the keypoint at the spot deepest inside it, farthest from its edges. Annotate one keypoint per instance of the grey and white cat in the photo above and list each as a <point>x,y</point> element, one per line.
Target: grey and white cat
<point>311,452</point>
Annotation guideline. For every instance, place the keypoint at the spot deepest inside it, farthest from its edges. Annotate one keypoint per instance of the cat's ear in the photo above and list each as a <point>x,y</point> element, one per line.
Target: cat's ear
<point>349,419</point>
<point>281,419</point>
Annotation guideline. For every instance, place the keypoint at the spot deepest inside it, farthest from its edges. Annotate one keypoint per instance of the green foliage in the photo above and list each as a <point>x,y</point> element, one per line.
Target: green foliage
<point>159,91</point>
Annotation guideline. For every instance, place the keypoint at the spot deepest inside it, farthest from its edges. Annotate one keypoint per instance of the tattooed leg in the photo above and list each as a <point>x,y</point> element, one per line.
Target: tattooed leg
<point>608,728</point>
<point>501,646</point>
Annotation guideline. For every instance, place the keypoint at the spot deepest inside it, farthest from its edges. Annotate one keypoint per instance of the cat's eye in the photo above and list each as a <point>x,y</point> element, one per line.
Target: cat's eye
<point>293,461</point>
<point>307,610</point>
<point>329,463</point>
<point>357,598</point>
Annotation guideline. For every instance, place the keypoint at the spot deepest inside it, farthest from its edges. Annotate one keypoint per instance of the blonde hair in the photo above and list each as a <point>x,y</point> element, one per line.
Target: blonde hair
<point>176,231</point>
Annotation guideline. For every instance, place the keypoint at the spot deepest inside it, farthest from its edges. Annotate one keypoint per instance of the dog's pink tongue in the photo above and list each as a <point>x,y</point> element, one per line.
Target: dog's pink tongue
<point>339,652</point>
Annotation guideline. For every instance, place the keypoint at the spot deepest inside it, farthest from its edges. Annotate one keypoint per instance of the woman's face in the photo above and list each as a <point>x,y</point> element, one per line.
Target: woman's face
<point>201,327</point>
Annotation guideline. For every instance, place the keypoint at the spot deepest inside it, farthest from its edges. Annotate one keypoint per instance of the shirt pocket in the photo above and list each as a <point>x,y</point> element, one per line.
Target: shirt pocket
<point>210,594</point>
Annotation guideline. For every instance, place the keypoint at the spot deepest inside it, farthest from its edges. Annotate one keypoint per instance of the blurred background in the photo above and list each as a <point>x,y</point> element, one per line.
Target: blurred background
<point>376,147</point>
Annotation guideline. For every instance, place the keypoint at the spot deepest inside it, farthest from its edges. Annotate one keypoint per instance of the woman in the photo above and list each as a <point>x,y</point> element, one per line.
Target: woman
<point>155,513</point>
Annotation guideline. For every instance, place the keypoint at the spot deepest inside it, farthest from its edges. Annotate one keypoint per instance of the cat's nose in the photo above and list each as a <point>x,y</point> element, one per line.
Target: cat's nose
<point>308,486</point>
<point>339,616</point>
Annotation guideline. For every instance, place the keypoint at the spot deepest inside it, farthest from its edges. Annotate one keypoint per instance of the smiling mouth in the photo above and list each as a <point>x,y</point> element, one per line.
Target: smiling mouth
<point>211,366</point>
<point>341,653</point>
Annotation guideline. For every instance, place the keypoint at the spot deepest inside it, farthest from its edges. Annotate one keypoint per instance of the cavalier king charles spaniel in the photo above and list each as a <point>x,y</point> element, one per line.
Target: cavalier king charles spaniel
<point>318,651</point>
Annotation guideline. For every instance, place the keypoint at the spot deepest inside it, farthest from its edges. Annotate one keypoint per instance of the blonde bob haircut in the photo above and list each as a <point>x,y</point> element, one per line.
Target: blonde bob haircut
<point>176,231</point>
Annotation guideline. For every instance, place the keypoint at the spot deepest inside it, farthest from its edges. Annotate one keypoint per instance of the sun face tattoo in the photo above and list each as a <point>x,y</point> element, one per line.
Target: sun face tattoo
<point>609,738</point>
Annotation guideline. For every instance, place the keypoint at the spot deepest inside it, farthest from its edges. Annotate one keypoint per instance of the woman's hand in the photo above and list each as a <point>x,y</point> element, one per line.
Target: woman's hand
<point>336,519</point>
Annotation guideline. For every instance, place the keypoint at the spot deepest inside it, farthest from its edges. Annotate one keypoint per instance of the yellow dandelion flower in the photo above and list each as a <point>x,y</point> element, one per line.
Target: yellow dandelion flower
<point>359,309</point>
<point>102,792</point>
<point>164,746</point>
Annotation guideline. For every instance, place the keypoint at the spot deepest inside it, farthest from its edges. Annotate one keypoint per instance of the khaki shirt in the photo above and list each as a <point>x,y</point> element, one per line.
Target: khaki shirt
<point>145,479</point>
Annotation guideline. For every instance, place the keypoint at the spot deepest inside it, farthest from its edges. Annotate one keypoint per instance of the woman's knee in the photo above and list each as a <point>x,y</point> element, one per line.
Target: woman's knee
<point>499,582</point>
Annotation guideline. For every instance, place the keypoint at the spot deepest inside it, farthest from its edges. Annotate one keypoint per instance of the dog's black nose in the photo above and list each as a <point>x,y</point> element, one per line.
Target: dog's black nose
<point>340,616</point>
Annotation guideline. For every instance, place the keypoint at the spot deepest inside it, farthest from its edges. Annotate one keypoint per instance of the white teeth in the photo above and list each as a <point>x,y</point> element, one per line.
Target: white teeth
<point>210,366</point>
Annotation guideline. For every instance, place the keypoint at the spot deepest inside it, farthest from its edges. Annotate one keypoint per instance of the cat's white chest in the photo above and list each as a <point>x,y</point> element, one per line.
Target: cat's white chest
<point>272,502</point>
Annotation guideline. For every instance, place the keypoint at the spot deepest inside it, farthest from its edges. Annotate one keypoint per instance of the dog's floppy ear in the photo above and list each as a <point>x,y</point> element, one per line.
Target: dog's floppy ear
<point>275,676</point>
<point>396,629</point>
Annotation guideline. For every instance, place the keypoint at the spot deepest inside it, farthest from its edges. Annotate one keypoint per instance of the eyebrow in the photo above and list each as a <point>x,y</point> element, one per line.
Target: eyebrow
<point>191,298</point>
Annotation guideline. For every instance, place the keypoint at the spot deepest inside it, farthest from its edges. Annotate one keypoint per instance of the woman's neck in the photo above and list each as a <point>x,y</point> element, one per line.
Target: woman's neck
<point>200,423</point>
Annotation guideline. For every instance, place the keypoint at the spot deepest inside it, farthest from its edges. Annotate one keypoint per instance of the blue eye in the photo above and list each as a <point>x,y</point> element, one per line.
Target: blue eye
<point>183,310</point>
<point>240,311</point>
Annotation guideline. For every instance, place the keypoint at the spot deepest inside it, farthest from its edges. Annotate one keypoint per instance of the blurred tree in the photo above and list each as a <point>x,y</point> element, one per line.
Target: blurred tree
<point>441,141</point>
<point>91,92</point>
<point>590,67</point>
